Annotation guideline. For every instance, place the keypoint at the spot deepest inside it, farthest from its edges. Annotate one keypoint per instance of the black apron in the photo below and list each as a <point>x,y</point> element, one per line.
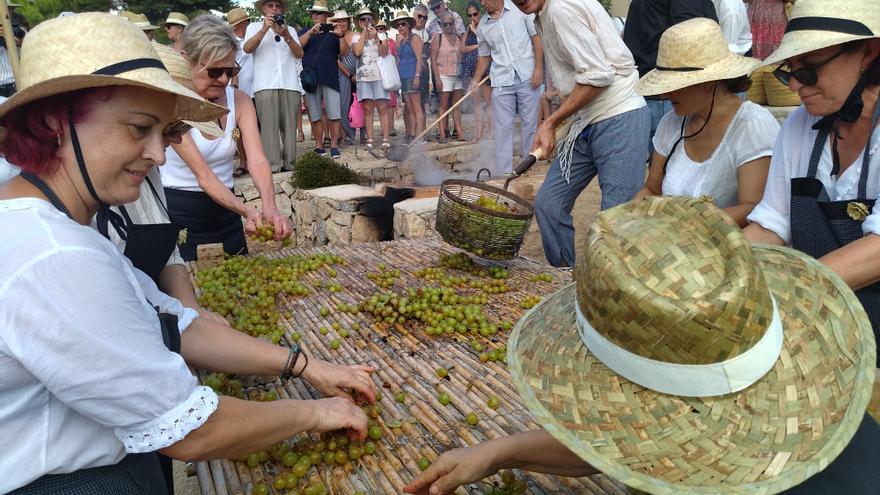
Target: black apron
<point>819,225</point>
<point>206,222</point>
<point>135,474</point>
<point>150,245</point>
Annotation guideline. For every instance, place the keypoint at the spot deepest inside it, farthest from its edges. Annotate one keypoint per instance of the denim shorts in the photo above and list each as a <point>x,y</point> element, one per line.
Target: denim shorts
<point>331,105</point>
<point>371,90</point>
<point>406,86</point>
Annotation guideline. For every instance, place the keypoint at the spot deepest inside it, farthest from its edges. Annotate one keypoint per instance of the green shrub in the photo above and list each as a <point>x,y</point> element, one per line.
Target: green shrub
<point>312,171</point>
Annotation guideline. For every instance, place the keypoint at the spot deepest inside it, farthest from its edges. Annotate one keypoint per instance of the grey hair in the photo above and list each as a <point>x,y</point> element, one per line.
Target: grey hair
<point>421,8</point>
<point>208,39</point>
<point>447,15</point>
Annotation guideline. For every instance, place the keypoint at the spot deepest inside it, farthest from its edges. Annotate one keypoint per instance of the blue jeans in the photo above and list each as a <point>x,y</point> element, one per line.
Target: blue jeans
<point>615,149</point>
<point>658,109</point>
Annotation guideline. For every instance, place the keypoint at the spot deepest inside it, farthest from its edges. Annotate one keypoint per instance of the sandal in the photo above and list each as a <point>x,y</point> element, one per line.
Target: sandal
<point>386,144</point>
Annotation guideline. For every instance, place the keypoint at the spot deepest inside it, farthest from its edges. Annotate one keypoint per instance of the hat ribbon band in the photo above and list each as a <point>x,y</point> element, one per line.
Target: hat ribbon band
<point>833,24</point>
<point>688,380</point>
<point>678,69</point>
<point>129,65</point>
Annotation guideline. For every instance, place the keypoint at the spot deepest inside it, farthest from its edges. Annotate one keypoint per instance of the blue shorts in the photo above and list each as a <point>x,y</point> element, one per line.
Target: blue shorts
<point>406,86</point>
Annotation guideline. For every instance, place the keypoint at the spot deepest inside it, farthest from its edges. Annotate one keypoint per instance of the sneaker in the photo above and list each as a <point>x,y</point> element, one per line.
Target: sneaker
<point>335,154</point>
<point>320,151</point>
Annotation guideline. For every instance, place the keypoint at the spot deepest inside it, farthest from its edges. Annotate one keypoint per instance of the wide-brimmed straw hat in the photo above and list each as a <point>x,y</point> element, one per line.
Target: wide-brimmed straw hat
<point>403,15</point>
<point>181,72</point>
<point>320,6</point>
<point>684,361</point>
<point>177,18</point>
<point>365,11</point>
<point>693,52</point>
<point>817,24</point>
<point>339,15</point>
<point>142,21</point>
<point>237,16</point>
<point>56,58</point>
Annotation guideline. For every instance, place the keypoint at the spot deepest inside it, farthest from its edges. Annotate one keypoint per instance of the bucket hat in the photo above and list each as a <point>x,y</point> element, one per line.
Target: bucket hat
<point>339,15</point>
<point>365,11</point>
<point>177,18</point>
<point>320,6</point>
<point>403,15</point>
<point>56,58</point>
<point>817,24</point>
<point>684,361</point>
<point>141,21</point>
<point>693,52</point>
<point>181,72</point>
<point>236,16</point>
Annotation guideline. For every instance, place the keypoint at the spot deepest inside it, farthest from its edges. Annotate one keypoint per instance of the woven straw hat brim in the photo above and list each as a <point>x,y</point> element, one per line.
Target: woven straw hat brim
<point>189,105</point>
<point>406,18</point>
<point>769,437</point>
<point>340,15</point>
<point>658,82</point>
<point>800,42</point>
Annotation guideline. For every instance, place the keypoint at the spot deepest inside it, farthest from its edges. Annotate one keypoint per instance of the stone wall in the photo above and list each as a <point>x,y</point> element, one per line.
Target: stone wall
<point>414,219</point>
<point>336,215</point>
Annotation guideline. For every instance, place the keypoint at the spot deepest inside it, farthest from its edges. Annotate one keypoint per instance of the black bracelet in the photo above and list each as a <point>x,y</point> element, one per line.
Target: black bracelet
<point>306,356</point>
<point>292,358</point>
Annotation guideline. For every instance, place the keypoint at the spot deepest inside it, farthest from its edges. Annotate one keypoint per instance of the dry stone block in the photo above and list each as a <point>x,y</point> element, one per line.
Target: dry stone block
<point>364,230</point>
<point>338,234</point>
<point>282,202</point>
<point>341,218</point>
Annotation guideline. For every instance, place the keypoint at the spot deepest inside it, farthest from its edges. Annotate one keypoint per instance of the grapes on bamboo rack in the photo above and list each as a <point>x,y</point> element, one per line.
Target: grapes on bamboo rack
<point>223,384</point>
<point>384,278</point>
<point>528,302</point>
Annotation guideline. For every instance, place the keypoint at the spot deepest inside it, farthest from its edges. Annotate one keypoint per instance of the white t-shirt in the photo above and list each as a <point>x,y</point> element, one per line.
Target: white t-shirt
<point>368,62</point>
<point>84,374</point>
<point>274,63</point>
<point>749,136</point>
<point>734,20</point>
<point>791,158</point>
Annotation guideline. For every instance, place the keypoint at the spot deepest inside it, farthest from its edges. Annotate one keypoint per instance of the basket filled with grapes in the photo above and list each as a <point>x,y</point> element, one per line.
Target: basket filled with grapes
<point>488,221</point>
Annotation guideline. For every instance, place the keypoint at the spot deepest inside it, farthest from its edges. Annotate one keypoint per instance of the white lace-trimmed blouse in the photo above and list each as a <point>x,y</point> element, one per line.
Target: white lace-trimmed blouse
<point>84,375</point>
<point>749,136</point>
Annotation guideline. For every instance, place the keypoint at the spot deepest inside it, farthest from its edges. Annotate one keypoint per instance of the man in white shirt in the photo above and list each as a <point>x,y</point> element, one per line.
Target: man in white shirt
<point>508,38</point>
<point>239,21</point>
<point>734,20</point>
<point>277,88</point>
<point>609,137</point>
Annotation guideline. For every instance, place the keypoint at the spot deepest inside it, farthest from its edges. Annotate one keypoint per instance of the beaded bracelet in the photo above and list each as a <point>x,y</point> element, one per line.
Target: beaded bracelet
<point>292,358</point>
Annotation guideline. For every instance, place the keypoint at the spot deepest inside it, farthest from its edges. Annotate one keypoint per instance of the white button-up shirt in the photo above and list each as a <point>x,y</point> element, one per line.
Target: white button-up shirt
<point>508,40</point>
<point>84,374</point>
<point>274,64</point>
<point>734,20</point>
<point>246,75</point>
<point>791,158</point>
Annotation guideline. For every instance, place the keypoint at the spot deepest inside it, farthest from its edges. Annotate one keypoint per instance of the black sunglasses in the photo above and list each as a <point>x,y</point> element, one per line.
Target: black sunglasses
<point>216,72</point>
<point>400,25</point>
<point>475,14</point>
<point>420,16</point>
<point>806,75</point>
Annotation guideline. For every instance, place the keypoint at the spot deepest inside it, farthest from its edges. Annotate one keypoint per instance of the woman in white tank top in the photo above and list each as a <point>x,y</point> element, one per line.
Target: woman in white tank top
<point>198,172</point>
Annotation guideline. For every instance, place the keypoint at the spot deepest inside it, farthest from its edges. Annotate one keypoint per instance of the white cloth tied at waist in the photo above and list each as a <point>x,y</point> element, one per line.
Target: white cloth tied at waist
<point>688,380</point>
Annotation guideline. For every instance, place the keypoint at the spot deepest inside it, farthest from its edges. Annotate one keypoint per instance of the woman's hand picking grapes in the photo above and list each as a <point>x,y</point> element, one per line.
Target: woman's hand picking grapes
<point>337,413</point>
<point>333,380</point>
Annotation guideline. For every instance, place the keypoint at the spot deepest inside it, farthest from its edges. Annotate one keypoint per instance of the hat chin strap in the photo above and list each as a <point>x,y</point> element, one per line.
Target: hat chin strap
<point>688,380</point>
<point>105,215</point>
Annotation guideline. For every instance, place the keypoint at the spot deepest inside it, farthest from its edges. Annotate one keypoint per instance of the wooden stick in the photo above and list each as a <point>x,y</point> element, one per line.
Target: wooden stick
<point>447,112</point>
<point>9,37</point>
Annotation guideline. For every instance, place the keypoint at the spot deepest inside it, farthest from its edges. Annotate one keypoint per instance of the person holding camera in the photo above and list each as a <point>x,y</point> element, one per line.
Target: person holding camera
<point>368,46</point>
<point>7,78</point>
<point>277,87</point>
<point>323,43</point>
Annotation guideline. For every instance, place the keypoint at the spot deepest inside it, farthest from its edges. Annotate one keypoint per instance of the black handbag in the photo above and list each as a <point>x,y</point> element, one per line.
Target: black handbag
<point>308,77</point>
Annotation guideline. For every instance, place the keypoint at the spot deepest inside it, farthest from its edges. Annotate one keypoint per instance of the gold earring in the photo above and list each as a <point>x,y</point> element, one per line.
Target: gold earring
<point>59,139</point>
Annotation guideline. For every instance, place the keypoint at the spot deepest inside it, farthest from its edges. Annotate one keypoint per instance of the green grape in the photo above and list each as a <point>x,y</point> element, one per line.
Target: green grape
<point>253,460</point>
<point>324,311</point>
<point>292,480</point>
<point>442,372</point>
<point>341,457</point>
<point>374,432</point>
<point>323,330</point>
<point>300,469</point>
<point>329,457</point>
<point>316,488</point>
<point>444,399</point>
<point>424,463</point>
<point>290,458</point>
<point>369,448</point>
<point>400,396</point>
<point>296,336</point>
<point>493,402</point>
<point>334,344</point>
<point>280,483</point>
<point>335,325</point>
<point>343,333</point>
<point>378,395</point>
<point>261,488</point>
<point>355,452</point>
<point>264,455</point>
<point>472,419</point>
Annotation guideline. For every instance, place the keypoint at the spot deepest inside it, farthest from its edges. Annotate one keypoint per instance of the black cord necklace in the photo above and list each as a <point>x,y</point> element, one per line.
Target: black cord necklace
<point>682,137</point>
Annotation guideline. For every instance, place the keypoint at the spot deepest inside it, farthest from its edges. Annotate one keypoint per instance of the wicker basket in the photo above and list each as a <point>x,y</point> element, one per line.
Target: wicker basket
<point>484,232</point>
<point>756,93</point>
<point>778,94</point>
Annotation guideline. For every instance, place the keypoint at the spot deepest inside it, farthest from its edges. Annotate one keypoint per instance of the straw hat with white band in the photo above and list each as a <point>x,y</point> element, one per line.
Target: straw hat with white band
<point>177,18</point>
<point>181,72</point>
<point>817,24</point>
<point>237,16</point>
<point>57,58</point>
<point>403,15</point>
<point>693,52</point>
<point>684,361</point>
<point>320,6</point>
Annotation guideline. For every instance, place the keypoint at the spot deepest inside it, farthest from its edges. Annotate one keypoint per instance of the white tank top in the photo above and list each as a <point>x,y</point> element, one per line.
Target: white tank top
<point>217,152</point>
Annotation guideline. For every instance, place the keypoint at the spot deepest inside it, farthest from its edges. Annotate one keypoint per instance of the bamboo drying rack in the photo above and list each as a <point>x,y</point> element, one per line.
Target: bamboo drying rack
<point>405,359</point>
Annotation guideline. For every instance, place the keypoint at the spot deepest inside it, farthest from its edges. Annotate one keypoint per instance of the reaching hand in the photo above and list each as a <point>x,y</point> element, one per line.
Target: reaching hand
<point>545,139</point>
<point>334,380</point>
<point>337,413</point>
<point>453,469</point>
<point>280,223</point>
<point>253,221</point>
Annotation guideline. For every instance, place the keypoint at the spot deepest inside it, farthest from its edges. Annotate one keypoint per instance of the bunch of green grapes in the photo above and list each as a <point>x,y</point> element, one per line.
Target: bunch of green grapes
<point>384,277</point>
<point>491,203</point>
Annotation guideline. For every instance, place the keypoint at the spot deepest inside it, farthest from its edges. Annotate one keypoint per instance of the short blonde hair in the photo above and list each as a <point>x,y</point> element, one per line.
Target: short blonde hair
<point>208,39</point>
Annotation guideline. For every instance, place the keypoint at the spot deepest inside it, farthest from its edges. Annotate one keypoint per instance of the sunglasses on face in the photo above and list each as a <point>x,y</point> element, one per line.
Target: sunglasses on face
<point>176,130</point>
<point>474,14</point>
<point>216,72</point>
<point>447,24</point>
<point>806,75</point>
<point>365,19</point>
<point>400,25</point>
<point>420,16</point>
<point>381,29</point>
